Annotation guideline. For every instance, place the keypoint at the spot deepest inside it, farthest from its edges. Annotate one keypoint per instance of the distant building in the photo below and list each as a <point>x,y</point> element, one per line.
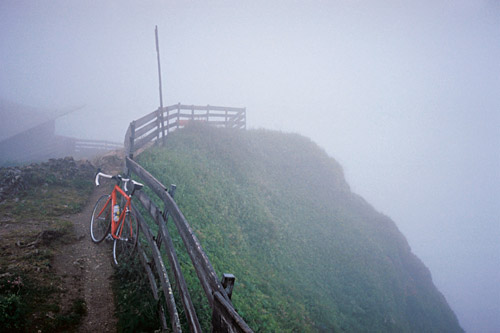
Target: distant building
<point>27,135</point>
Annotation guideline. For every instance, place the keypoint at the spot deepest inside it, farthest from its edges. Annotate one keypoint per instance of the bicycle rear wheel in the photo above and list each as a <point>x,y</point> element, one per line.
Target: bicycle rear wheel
<point>124,247</point>
<point>100,223</point>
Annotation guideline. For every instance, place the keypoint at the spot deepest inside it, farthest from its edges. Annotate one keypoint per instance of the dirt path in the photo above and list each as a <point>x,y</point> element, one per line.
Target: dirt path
<point>86,270</point>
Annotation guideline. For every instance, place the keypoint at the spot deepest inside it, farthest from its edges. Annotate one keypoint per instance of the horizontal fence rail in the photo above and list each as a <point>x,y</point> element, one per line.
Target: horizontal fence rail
<point>158,124</point>
<point>38,148</point>
<point>164,237</point>
<point>155,127</point>
<point>84,145</point>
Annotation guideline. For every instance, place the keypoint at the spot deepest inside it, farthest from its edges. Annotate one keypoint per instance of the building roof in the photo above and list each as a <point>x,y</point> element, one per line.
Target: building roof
<point>16,118</point>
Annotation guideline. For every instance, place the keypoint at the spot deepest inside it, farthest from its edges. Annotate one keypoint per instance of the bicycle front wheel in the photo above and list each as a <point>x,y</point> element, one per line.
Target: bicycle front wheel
<point>100,223</point>
<point>124,247</point>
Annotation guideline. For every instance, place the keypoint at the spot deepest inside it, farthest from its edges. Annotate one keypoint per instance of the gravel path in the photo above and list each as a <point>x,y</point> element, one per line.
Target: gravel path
<point>86,269</point>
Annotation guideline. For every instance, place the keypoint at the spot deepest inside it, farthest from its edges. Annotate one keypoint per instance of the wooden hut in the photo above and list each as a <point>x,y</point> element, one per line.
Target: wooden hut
<point>27,134</point>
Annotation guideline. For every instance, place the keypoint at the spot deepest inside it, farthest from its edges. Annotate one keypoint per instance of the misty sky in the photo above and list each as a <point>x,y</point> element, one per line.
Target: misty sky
<point>404,94</point>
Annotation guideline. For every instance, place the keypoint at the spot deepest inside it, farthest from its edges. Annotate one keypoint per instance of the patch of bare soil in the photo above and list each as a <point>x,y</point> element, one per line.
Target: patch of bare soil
<point>53,277</point>
<point>86,270</point>
<point>85,267</point>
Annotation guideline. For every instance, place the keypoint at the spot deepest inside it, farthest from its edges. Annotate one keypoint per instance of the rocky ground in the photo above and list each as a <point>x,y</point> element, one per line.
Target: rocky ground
<point>52,276</point>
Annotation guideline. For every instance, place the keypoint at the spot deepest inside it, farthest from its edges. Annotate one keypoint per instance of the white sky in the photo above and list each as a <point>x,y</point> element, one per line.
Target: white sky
<point>405,94</point>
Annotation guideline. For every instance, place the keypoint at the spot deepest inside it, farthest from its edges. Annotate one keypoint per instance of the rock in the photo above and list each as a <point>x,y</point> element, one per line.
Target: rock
<point>15,180</point>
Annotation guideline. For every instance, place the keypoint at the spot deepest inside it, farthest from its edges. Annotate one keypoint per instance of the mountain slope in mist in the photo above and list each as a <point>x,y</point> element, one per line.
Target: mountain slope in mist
<point>308,254</point>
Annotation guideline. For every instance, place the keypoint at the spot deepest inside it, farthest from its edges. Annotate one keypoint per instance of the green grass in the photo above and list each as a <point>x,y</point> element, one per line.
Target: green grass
<point>35,225</point>
<point>308,254</point>
<point>136,309</point>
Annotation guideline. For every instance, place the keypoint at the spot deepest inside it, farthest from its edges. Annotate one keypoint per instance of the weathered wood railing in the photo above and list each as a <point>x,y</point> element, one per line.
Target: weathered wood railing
<point>155,127</point>
<point>43,148</point>
<point>82,146</point>
<point>157,124</point>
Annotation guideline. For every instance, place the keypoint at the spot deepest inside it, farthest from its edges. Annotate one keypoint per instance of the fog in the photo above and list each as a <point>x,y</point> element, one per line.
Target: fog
<point>404,94</point>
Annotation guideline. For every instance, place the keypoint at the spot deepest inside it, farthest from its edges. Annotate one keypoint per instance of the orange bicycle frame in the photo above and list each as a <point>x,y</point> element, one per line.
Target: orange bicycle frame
<point>126,208</point>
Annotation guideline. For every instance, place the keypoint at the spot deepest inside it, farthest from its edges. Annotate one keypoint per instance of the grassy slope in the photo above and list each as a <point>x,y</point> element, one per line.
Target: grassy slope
<point>308,254</point>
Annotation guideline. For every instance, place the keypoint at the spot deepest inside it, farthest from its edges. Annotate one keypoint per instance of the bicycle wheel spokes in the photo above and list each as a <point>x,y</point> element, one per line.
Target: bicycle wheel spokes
<point>124,247</point>
<point>100,223</point>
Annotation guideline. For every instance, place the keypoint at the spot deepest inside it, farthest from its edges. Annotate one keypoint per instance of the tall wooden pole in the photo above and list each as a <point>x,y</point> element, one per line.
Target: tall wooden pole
<point>160,112</point>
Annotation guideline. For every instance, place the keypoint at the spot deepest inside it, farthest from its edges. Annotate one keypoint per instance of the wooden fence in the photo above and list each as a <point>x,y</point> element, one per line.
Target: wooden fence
<point>91,147</point>
<point>155,127</point>
<point>24,148</point>
<point>157,124</point>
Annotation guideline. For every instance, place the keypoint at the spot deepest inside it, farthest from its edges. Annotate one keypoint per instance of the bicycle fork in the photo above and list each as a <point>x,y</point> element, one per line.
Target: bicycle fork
<point>124,226</point>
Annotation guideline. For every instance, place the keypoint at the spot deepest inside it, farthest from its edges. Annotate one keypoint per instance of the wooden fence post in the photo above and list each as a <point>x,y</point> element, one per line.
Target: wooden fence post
<point>165,212</point>
<point>152,283</point>
<point>178,115</point>
<point>132,139</point>
<point>169,247</point>
<point>161,271</point>
<point>168,120</point>
<point>161,126</point>
<point>245,118</point>
<point>228,283</point>
<point>158,125</point>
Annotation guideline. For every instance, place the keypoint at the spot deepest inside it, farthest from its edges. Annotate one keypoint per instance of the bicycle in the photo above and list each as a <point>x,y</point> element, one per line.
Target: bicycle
<point>114,221</point>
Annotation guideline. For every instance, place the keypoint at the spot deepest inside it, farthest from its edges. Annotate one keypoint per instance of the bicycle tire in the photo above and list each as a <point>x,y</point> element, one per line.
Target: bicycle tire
<point>124,248</point>
<point>100,225</point>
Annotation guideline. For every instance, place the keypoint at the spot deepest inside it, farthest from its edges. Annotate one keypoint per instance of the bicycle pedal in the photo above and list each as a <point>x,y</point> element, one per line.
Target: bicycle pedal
<point>109,238</point>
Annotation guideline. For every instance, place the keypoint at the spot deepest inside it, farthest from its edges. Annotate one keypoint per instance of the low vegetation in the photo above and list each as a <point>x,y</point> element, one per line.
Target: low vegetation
<point>136,308</point>
<point>271,208</point>
<point>308,254</point>
<point>35,203</point>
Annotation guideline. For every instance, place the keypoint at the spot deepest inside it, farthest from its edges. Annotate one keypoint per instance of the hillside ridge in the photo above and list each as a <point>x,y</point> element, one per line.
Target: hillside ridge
<point>274,209</point>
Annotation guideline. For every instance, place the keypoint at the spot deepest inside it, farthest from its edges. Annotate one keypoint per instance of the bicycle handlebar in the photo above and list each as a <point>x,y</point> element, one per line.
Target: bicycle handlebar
<point>102,175</point>
<point>117,177</point>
